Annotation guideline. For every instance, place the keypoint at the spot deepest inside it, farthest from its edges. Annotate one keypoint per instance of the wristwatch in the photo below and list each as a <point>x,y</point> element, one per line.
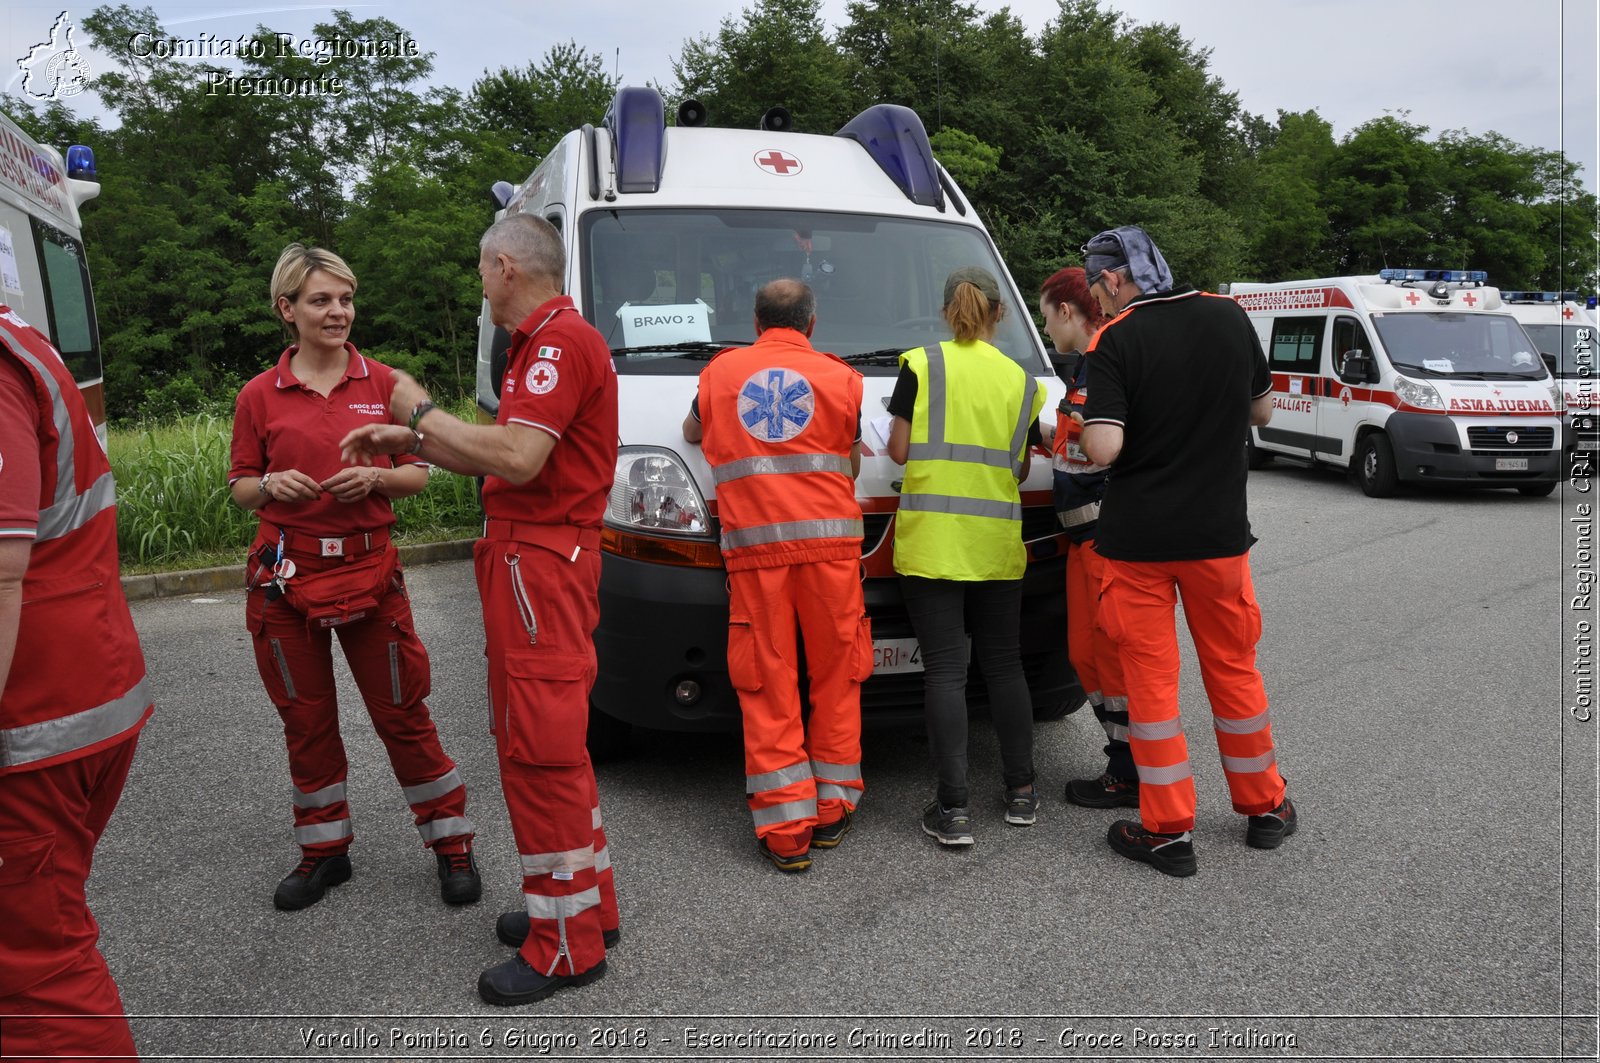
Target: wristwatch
<point>418,412</point>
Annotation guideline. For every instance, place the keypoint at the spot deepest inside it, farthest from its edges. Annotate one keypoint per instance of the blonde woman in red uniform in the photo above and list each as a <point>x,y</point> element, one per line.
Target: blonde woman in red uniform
<point>323,564</point>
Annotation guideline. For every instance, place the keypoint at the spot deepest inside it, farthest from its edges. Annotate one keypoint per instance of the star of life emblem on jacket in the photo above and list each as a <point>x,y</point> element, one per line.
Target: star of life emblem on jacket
<point>775,405</point>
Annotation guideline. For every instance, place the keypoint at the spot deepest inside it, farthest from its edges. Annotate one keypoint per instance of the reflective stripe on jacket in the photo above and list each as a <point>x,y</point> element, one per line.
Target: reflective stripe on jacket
<point>77,682</point>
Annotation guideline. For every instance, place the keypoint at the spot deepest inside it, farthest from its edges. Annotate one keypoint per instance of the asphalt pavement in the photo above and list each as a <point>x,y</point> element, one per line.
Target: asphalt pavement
<point>1438,900</point>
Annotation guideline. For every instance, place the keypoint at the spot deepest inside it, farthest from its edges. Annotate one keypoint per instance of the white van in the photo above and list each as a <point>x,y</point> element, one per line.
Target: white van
<point>1413,375</point>
<point>670,232</point>
<point>1564,328</point>
<point>44,274</point>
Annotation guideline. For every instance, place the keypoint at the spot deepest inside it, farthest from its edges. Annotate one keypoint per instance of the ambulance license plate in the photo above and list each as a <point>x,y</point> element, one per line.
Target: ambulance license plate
<point>1511,465</point>
<point>890,656</point>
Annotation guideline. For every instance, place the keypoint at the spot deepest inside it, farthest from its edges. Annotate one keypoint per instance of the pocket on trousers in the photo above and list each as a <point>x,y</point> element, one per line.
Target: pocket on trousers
<point>1107,615</point>
<point>865,657</point>
<point>547,706</point>
<point>1249,618</point>
<point>744,661</point>
<point>30,908</point>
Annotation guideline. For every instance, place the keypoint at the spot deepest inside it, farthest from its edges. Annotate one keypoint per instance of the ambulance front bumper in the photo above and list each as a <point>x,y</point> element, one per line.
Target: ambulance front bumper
<point>1428,449</point>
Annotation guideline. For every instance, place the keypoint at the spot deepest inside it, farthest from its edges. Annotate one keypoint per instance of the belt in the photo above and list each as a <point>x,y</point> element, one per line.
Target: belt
<point>329,546</point>
<point>563,539</point>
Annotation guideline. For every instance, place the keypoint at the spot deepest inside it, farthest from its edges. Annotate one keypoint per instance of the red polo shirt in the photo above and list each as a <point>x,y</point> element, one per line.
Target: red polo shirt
<point>559,379</point>
<point>280,424</point>
<point>19,453</point>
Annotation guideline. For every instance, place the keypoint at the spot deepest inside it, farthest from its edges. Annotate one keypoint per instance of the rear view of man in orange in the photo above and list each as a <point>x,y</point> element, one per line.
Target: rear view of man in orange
<point>780,424</point>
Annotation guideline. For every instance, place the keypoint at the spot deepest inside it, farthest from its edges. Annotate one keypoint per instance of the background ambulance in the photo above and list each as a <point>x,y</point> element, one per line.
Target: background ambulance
<point>44,275</point>
<point>1563,327</point>
<point>670,232</point>
<point>1408,376</point>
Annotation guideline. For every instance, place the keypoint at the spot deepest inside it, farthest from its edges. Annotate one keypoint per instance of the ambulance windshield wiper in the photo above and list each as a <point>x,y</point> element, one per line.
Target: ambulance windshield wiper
<point>889,356</point>
<point>705,347</point>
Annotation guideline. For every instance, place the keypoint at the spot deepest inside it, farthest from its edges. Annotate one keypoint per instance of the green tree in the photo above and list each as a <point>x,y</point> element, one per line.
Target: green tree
<point>534,106</point>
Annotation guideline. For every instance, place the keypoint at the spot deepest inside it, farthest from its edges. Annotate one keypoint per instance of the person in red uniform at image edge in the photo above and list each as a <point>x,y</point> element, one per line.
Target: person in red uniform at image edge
<point>322,563</point>
<point>1176,377</point>
<point>1071,317</point>
<point>781,425</point>
<point>548,464</point>
<point>73,698</point>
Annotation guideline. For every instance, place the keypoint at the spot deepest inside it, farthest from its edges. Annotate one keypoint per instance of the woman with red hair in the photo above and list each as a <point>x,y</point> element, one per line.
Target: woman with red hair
<point>1071,318</point>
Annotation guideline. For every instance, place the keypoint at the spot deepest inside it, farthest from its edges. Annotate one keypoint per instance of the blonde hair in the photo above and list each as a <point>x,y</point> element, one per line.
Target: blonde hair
<point>969,313</point>
<point>297,263</point>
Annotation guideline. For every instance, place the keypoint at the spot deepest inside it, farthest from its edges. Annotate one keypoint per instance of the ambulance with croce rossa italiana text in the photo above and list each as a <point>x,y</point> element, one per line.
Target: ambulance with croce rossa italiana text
<point>1408,376</point>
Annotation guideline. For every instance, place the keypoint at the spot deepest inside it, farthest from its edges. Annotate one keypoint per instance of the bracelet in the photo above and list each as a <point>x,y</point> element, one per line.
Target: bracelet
<point>261,485</point>
<point>418,412</point>
<point>416,442</point>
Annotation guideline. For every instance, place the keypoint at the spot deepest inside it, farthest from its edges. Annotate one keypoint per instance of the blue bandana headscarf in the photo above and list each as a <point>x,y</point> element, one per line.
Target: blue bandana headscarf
<point>1132,247</point>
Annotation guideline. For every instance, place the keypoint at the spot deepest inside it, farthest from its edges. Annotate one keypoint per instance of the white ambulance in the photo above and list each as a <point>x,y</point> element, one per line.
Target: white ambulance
<point>1563,326</point>
<point>44,274</point>
<point>670,231</point>
<point>1413,375</point>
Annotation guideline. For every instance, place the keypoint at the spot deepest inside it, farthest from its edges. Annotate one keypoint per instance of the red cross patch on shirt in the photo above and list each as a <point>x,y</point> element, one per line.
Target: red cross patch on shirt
<point>542,378</point>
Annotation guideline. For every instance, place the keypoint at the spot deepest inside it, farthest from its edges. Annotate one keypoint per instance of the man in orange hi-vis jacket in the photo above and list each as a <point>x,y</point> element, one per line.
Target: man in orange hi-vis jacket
<point>1175,379</point>
<point>780,424</point>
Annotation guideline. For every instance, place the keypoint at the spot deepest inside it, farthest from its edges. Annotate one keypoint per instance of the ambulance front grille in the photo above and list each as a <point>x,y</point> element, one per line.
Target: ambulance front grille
<point>1493,438</point>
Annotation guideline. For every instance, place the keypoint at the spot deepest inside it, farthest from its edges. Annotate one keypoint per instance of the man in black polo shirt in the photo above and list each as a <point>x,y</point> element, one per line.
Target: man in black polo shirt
<point>1176,378</point>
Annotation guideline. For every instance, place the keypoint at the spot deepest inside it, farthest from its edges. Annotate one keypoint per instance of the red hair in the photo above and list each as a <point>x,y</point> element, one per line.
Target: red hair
<point>1070,285</point>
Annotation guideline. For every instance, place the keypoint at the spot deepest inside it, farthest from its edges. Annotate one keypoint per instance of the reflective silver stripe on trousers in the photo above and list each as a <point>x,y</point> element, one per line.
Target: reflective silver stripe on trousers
<point>394,671</point>
<point>48,738</point>
<point>428,791</point>
<point>322,798</point>
<point>1117,732</point>
<point>1080,515</point>
<point>1247,726</point>
<point>1246,765</point>
<point>782,463</point>
<point>594,818</point>
<point>823,770</point>
<point>1117,703</point>
<point>320,833</point>
<point>283,668</point>
<point>969,507</point>
<point>435,830</point>
<point>839,792</point>
<point>790,810</point>
<point>542,907</point>
<point>1154,732</point>
<point>1171,773</point>
<point>549,863</point>
<point>602,860</point>
<point>771,780</point>
<point>791,531</point>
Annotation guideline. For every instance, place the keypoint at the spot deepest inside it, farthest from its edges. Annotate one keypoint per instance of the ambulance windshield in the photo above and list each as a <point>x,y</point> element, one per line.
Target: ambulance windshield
<point>1571,345</point>
<point>1468,346</point>
<point>669,287</point>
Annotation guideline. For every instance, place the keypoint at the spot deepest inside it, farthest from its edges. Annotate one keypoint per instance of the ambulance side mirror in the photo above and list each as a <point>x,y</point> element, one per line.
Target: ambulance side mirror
<point>1549,362</point>
<point>1358,368</point>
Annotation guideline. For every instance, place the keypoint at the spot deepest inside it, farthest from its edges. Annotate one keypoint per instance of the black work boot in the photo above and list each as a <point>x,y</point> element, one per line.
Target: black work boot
<point>514,982</point>
<point>512,929</point>
<point>305,885</point>
<point>458,878</point>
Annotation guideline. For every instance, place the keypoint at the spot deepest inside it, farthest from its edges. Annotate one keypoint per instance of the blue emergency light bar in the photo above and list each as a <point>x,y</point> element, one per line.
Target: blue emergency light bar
<point>80,162</point>
<point>637,123</point>
<point>893,135</point>
<point>1540,297</point>
<point>1467,275</point>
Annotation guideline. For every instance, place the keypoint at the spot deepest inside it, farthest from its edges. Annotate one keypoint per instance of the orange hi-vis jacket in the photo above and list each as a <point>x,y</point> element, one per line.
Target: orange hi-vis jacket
<point>779,421</point>
<point>77,682</point>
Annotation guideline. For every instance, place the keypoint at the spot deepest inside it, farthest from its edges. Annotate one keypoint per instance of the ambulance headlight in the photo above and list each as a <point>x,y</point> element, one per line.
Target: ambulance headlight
<point>1416,393</point>
<point>1558,398</point>
<point>652,491</point>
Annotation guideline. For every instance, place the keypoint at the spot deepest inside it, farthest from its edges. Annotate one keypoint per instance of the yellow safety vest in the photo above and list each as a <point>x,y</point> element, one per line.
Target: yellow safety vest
<point>960,514</point>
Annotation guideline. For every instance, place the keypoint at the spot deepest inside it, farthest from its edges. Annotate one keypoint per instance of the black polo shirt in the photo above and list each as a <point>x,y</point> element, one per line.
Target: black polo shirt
<point>1177,370</point>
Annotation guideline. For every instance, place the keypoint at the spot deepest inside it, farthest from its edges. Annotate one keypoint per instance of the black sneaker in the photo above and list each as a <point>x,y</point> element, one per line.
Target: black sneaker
<point>305,885</point>
<point>829,835</point>
<point>514,982</point>
<point>789,865</point>
<point>512,929</point>
<point>950,826</point>
<point>458,878</point>
<point>1022,807</point>
<point>1268,831</point>
<point>1107,791</point>
<point>1171,854</point>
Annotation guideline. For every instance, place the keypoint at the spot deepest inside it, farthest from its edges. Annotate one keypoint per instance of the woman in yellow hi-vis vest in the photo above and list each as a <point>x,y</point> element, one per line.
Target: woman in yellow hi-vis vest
<point>964,418</point>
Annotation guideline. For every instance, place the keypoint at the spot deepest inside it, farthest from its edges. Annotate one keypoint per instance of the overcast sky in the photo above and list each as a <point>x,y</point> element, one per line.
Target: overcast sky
<point>1526,70</point>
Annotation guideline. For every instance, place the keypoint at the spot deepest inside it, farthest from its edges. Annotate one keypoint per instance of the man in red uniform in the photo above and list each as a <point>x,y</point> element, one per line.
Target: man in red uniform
<point>70,708</point>
<point>548,462</point>
<point>1175,379</point>
<point>781,425</point>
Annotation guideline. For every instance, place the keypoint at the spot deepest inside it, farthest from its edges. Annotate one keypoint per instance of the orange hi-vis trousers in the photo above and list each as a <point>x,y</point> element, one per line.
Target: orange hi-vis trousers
<point>795,780</point>
<point>1137,609</point>
<point>1094,656</point>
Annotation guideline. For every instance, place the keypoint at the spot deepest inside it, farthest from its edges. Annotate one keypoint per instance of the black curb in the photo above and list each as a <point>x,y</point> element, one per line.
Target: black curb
<point>231,577</point>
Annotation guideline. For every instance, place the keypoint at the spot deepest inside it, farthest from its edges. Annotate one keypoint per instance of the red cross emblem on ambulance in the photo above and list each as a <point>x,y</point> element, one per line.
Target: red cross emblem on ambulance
<point>1413,298</point>
<point>779,162</point>
<point>1566,312</point>
<point>1470,299</point>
